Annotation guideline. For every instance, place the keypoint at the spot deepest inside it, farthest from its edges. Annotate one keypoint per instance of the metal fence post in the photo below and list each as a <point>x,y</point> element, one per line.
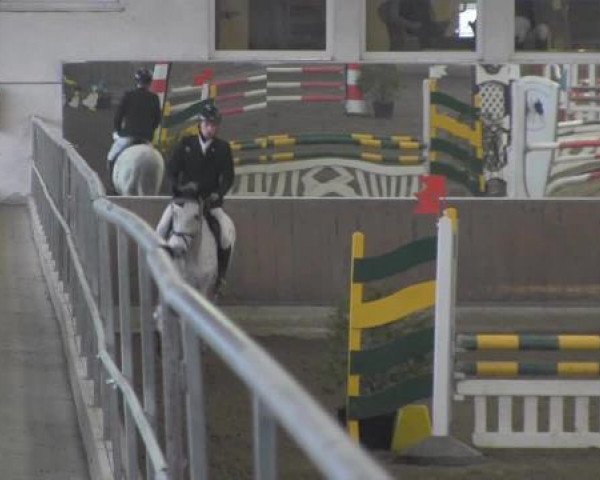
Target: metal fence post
<point>195,405</point>
<point>148,348</point>
<point>265,442</point>
<point>172,390</point>
<point>126,354</point>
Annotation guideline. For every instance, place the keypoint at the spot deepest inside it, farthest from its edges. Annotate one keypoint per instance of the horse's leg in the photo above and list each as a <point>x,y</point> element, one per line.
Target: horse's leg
<point>207,266</point>
<point>227,235</point>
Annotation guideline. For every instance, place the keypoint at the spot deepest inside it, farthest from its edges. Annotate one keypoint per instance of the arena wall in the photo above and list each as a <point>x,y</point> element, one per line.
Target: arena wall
<point>297,251</point>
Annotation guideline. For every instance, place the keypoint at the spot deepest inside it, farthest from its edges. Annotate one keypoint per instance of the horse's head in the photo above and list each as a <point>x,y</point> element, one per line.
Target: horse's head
<point>185,224</point>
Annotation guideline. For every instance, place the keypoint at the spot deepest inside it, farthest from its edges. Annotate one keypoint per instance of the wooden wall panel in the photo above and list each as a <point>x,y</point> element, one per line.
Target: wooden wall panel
<point>297,251</point>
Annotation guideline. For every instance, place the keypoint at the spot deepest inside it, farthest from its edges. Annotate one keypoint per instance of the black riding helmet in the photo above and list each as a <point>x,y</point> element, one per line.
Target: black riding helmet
<point>209,112</point>
<point>143,76</point>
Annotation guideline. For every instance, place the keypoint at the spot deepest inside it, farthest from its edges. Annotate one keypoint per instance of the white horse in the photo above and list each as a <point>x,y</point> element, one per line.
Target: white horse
<point>138,170</point>
<point>191,242</point>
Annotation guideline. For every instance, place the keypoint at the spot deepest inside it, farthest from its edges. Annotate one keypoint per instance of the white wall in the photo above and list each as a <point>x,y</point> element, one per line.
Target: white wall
<point>33,47</point>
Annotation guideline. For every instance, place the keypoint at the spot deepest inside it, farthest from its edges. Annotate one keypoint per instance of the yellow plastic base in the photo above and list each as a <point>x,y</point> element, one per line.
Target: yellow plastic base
<point>412,426</point>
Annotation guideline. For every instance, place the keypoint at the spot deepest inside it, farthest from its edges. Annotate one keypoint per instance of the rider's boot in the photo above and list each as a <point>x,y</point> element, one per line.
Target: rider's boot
<point>223,258</point>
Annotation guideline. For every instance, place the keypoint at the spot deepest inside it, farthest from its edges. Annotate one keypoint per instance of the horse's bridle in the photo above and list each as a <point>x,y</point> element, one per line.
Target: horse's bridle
<point>188,238</point>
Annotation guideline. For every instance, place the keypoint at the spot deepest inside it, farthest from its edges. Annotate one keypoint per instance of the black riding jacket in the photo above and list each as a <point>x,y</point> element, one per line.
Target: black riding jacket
<point>213,171</point>
<point>138,114</point>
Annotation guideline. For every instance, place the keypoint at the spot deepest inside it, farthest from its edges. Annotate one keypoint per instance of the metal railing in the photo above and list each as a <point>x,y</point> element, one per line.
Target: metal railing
<point>89,237</point>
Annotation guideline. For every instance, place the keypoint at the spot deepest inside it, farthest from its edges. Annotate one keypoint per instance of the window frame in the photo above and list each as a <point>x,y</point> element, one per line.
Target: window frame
<point>62,5</point>
<point>275,55</point>
<point>423,57</point>
<point>537,57</point>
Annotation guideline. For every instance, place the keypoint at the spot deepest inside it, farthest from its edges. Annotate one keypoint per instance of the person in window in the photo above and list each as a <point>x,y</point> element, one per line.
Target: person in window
<point>409,20</point>
<point>528,33</point>
<point>136,118</point>
<point>202,165</point>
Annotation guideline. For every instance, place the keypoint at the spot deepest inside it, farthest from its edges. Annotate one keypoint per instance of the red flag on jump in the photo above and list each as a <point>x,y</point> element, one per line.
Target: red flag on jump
<point>206,75</point>
<point>433,187</point>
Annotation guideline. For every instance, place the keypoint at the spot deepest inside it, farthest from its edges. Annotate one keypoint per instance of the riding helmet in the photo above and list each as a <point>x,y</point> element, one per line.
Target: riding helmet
<point>209,112</point>
<point>143,76</point>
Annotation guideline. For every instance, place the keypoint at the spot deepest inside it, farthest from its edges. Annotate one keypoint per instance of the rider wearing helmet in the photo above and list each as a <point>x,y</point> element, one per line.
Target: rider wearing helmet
<point>137,116</point>
<point>202,165</point>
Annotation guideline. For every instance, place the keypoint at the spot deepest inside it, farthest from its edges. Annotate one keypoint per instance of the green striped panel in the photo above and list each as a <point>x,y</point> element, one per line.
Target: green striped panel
<point>467,157</point>
<point>461,176</point>
<point>369,269</point>
<point>390,399</point>
<point>439,98</point>
<point>384,357</point>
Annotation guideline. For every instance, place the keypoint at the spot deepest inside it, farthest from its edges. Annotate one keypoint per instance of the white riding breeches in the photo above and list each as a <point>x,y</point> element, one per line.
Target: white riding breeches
<point>119,144</point>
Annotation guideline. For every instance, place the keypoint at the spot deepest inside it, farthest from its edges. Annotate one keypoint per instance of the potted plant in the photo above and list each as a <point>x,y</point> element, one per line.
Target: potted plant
<point>380,83</point>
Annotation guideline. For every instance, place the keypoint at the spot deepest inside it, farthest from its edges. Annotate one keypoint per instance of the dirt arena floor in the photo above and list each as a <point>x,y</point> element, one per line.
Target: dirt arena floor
<point>316,363</point>
<point>310,360</point>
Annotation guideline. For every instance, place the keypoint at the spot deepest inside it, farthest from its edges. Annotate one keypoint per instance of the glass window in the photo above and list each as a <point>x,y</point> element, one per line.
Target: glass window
<point>416,25</point>
<point>557,25</point>
<point>270,24</point>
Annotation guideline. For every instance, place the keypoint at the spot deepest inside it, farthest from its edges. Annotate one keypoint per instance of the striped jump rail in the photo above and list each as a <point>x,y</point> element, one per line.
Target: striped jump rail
<point>365,156</point>
<point>571,171</point>
<point>528,342</point>
<point>184,111</point>
<point>573,180</point>
<point>308,69</point>
<point>234,82</point>
<point>574,144</point>
<point>217,86</point>
<point>308,84</point>
<point>584,98</point>
<point>574,127</point>
<point>585,88</point>
<point>373,142</point>
<point>516,369</point>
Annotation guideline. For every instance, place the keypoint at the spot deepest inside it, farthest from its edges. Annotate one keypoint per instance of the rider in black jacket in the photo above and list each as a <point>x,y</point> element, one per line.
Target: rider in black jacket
<point>203,165</point>
<point>137,116</point>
